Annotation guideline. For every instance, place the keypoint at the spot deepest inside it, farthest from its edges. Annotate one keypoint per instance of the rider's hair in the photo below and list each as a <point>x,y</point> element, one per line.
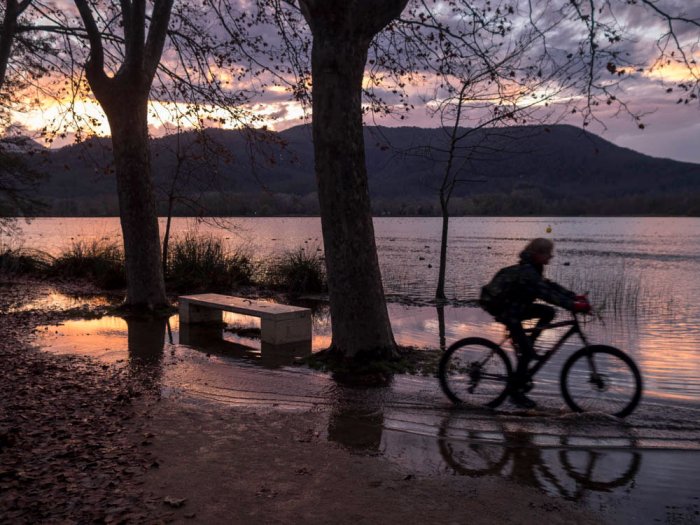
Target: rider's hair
<point>537,246</point>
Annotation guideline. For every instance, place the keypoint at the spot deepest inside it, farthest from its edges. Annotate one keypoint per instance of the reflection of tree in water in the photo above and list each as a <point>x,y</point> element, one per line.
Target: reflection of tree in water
<point>357,419</point>
<point>516,456</point>
<point>146,337</point>
<point>320,313</point>
<point>441,326</point>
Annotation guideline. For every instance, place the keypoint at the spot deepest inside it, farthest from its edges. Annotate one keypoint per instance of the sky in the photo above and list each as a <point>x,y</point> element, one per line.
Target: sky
<point>670,130</point>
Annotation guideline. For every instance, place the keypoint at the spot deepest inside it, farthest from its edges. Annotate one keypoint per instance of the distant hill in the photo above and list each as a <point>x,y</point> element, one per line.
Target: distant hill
<point>538,170</point>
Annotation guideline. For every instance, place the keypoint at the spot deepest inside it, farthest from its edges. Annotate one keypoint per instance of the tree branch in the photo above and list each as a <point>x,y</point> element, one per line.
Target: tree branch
<point>160,20</point>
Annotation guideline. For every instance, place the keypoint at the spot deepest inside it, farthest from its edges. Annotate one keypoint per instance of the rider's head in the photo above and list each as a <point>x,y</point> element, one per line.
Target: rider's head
<point>539,251</point>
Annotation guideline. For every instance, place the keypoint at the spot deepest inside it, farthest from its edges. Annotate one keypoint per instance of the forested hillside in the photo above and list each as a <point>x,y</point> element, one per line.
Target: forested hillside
<point>539,170</point>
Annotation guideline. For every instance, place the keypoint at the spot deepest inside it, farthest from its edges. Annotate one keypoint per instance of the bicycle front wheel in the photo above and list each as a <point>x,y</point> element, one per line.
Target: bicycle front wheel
<point>475,371</point>
<point>603,379</point>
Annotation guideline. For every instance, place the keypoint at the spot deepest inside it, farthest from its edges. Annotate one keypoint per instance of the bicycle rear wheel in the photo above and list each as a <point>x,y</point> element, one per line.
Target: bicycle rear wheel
<point>603,379</point>
<point>475,371</point>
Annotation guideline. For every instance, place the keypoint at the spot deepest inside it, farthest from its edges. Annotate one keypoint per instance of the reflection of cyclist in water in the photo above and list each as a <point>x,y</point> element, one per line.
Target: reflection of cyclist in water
<point>571,472</point>
<point>510,297</point>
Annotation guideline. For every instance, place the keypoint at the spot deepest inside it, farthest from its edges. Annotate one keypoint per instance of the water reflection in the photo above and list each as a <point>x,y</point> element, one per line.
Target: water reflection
<point>671,370</point>
<point>564,469</point>
<point>441,327</point>
<point>146,342</point>
<point>58,301</point>
<point>212,340</point>
<point>358,426</point>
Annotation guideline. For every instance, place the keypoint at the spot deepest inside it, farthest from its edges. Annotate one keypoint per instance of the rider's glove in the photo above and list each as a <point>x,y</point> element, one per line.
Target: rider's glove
<point>581,304</point>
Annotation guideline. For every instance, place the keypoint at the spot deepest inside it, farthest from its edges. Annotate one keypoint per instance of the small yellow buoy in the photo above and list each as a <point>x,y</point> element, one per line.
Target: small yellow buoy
<point>549,229</point>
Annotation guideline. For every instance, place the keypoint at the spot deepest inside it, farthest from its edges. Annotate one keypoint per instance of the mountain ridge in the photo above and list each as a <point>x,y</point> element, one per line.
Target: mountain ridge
<point>534,169</point>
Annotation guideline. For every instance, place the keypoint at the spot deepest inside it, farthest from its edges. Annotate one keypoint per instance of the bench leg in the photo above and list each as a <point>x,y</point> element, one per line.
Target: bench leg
<point>192,313</point>
<point>287,331</point>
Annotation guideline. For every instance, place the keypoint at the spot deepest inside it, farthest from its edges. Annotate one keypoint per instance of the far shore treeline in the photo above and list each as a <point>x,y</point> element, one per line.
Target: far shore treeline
<point>529,170</point>
<point>517,204</point>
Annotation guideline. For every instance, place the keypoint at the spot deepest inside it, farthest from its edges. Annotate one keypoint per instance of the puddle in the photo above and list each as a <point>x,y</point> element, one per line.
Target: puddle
<point>613,475</point>
<point>58,301</point>
<point>642,470</point>
<point>116,340</point>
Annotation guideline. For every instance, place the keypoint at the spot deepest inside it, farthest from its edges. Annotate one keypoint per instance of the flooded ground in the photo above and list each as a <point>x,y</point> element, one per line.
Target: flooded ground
<point>642,469</point>
<point>642,276</point>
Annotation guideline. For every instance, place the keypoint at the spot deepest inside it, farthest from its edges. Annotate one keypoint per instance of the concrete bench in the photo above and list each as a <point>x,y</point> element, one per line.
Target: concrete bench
<point>279,323</point>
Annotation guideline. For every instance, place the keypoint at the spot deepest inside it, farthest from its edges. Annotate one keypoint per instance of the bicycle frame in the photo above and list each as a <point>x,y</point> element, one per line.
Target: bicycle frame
<point>575,329</point>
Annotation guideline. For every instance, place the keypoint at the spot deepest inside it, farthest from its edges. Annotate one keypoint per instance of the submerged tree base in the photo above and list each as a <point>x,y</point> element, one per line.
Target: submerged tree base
<point>144,310</point>
<point>366,369</point>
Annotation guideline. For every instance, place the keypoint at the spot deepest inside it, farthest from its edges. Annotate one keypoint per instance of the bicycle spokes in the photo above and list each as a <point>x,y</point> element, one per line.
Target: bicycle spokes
<point>601,379</point>
<point>475,371</point>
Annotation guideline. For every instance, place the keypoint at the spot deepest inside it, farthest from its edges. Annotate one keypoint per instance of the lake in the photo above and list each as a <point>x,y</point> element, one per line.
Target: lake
<point>643,274</point>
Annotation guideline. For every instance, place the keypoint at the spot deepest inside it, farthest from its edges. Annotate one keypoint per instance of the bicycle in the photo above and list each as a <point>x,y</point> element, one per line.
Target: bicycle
<point>597,378</point>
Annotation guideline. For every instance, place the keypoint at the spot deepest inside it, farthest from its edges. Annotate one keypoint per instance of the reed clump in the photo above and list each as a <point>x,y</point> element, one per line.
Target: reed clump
<point>21,261</point>
<point>194,263</point>
<point>100,261</point>
<point>297,271</point>
<point>619,292</point>
<point>203,263</point>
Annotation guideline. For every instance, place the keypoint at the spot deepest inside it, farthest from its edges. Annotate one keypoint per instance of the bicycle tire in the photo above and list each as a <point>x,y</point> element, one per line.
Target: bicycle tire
<point>585,391</point>
<point>462,376</point>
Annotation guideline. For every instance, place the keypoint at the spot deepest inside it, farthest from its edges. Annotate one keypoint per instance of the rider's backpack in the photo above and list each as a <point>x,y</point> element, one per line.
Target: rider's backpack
<point>496,294</point>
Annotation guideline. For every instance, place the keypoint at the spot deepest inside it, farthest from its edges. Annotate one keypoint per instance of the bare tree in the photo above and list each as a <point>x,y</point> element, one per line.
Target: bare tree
<point>18,183</point>
<point>124,98</point>
<point>125,71</point>
<point>195,173</point>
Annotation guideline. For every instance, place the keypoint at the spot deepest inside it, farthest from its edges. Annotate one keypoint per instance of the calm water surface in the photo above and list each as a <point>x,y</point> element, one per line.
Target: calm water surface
<point>643,274</point>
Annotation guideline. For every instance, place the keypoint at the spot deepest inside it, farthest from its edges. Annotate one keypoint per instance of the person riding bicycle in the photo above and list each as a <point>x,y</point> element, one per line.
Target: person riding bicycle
<point>510,297</point>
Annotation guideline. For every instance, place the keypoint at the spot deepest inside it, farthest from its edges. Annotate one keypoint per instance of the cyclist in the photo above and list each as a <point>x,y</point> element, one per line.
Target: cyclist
<point>510,298</point>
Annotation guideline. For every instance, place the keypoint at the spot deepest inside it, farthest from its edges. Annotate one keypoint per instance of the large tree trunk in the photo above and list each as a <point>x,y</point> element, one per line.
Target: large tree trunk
<point>128,122</point>
<point>359,316</point>
<point>342,33</point>
<point>7,36</point>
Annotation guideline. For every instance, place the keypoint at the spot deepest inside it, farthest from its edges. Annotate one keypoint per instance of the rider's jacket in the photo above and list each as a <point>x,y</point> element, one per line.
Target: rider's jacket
<point>516,287</point>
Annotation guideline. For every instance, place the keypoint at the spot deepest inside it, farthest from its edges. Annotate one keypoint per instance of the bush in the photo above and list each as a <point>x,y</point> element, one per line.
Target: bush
<point>196,263</point>
<point>99,261</point>
<point>21,261</point>
<point>297,271</point>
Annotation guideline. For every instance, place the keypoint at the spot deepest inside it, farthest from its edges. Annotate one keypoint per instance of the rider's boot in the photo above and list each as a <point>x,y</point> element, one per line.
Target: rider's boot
<point>521,384</point>
<point>520,400</point>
